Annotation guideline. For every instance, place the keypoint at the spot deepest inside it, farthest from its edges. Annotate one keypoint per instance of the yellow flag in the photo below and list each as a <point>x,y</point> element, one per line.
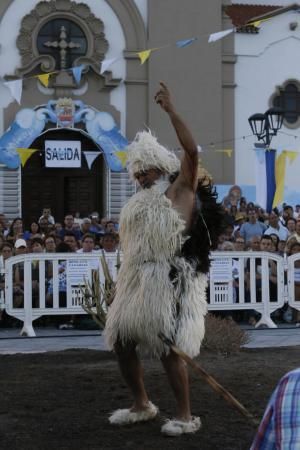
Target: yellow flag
<point>44,79</point>
<point>280,166</point>
<point>144,55</point>
<point>291,155</point>
<point>25,154</point>
<point>122,157</point>
<point>227,151</point>
<point>256,23</point>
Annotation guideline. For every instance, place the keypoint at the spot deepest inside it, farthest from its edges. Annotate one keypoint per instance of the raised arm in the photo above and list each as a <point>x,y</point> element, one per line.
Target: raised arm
<point>189,163</point>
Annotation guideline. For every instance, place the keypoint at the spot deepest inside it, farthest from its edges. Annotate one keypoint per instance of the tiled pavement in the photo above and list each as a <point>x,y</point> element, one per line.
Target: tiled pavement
<point>52,339</point>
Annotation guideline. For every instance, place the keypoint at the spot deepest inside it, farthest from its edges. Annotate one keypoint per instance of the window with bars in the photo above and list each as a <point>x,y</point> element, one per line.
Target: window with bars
<point>64,40</point>
<point>289,100</point>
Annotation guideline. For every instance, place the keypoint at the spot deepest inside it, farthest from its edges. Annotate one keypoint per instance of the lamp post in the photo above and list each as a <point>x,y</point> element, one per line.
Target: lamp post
<point>265,126</point>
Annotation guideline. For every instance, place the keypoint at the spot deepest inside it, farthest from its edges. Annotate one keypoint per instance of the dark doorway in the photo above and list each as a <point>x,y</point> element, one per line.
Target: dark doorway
<point>64,190</point>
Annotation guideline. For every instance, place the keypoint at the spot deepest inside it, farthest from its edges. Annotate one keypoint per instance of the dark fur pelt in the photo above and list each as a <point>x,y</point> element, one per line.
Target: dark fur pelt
<point>207,225</point>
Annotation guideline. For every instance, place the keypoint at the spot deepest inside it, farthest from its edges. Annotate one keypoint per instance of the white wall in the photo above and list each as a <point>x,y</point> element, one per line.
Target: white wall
<point>265,60</point>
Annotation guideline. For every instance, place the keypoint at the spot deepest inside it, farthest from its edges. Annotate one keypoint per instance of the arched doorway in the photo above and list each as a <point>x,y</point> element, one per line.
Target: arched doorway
<point>64,190</point>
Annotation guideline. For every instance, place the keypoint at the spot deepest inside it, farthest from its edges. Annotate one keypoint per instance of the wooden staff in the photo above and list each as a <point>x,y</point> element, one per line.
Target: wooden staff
<point>211,381</point>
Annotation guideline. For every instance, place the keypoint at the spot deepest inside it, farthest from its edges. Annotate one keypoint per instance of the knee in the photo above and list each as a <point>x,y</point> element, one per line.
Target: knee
<point>124,351</point>
<point>172,360</point>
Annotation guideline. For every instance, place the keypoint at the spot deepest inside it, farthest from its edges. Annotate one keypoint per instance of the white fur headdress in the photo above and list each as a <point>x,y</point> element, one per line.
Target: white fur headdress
<point>145,153</point>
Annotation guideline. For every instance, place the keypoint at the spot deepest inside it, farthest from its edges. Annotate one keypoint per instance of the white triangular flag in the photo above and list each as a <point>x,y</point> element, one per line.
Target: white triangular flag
<point>90,157</point>
<point>106,63</point>
<point>16,88</point>
<point>219,35</point>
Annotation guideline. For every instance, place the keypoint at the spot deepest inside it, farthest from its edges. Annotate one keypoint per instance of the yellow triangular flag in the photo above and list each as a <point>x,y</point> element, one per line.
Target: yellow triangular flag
<point>256,23</point>
<point>25,154</point>
<point>44,79</point>
<point>279,177</point>
<point>122,157</point>
<point>291,155</point>
<point>144,55</point>
<point>228,151</point>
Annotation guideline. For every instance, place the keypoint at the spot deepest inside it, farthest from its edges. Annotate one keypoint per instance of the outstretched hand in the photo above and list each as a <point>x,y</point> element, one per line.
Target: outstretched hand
<point>163,98</point>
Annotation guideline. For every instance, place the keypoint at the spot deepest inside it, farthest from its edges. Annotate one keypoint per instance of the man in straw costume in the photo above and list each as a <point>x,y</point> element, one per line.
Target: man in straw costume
<point>166,236</point>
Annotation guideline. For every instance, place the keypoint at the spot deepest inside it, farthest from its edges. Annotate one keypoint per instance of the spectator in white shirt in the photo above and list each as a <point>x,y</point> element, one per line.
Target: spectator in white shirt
<point>276,227</point>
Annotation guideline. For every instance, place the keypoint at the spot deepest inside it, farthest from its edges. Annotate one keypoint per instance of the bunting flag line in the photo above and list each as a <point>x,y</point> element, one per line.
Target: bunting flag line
<point>90,157</point>
<point>219,35</point>
<point>15,86</point>
<point>16,89</point>
<point>77,72</point>
<point>122,155</point>
<point>185,42</point>
<point>25,154</point>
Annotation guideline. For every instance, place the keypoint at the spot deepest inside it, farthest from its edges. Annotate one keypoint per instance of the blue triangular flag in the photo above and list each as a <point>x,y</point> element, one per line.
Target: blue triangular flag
<point>77,71</point>
<point>185,42</point>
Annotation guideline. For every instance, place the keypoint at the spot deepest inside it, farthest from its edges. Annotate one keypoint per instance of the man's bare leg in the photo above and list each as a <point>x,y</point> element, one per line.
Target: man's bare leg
<point>178,377</point>
<point>133,373</point>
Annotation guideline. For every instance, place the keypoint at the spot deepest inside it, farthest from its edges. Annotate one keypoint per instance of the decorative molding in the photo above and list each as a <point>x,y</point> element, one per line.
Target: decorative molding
<point>44,12</point>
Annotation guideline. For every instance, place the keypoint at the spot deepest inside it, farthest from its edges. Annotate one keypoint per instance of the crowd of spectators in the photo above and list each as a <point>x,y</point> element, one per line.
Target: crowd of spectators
<point>90,234</point>
<point>249,228</point>
<point>47,234</point>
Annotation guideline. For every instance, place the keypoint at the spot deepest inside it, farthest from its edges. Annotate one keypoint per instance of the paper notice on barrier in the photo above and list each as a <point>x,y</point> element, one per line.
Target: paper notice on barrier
<point>78,271</point>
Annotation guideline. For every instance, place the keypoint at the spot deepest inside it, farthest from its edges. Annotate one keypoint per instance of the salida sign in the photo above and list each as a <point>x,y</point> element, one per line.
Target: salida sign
<point>63,154</point>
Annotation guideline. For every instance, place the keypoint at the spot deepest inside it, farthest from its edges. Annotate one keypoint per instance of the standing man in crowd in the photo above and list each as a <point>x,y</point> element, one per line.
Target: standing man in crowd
<point>276,227</point>
<point>253,227</point>
<point>159,289</point>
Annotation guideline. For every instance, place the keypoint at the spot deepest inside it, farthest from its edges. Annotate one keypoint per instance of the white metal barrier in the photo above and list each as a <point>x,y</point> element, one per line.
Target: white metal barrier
<point>237,281</point>
<point>293,281</point>
<point>247,281</point>
<point>42,269</point>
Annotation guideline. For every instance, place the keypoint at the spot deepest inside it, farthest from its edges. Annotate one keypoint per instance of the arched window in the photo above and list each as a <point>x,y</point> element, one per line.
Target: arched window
<point>64,40</point>
<point>289,100</point>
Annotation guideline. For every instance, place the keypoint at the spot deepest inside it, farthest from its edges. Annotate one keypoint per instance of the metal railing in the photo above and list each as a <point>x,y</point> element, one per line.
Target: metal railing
<point>257,281</point>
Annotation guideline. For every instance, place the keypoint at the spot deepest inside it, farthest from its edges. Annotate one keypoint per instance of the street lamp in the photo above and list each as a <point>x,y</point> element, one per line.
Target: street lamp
<point>265,126</point>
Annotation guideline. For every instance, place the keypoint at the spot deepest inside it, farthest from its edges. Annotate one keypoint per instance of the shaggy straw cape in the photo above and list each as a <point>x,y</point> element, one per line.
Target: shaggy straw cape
<point>147,301</point>
<point>145,153</point>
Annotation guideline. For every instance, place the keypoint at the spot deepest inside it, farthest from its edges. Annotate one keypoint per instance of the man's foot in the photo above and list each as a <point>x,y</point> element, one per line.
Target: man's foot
<point>127,416</point>
<point>177,427</point>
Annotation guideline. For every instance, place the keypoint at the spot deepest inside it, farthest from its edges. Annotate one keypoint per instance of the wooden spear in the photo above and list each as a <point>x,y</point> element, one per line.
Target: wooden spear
<point>211,381</point>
